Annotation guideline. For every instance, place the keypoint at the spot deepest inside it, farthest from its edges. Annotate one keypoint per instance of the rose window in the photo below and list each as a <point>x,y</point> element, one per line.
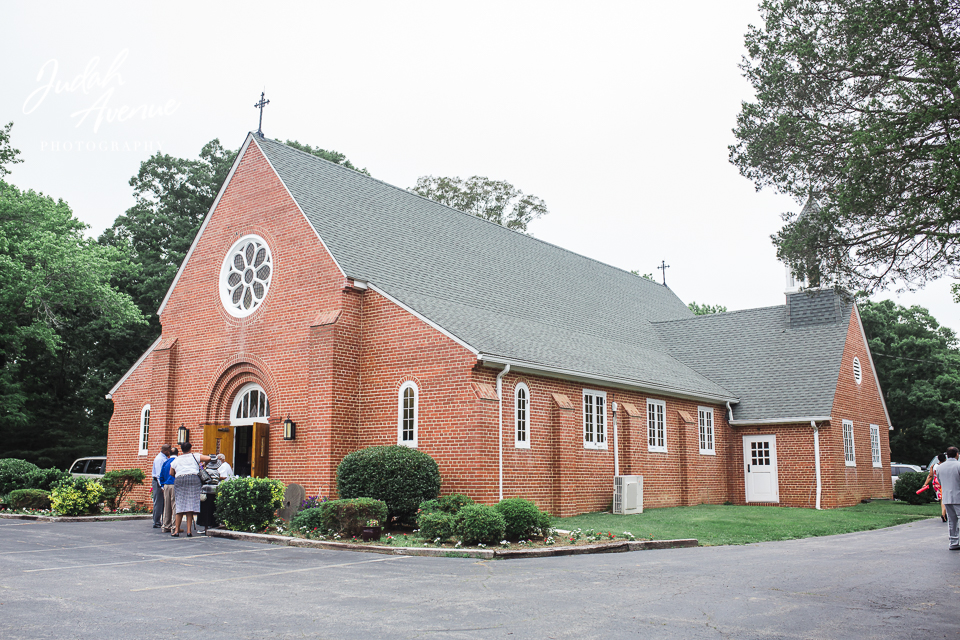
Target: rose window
<point>245,276</point>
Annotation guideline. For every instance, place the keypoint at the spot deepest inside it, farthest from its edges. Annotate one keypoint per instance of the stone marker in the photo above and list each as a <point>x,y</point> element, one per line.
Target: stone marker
<point>292,497</point>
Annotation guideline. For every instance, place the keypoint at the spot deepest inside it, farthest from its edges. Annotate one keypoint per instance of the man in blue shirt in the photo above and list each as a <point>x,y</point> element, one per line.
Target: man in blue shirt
<point>166,485</point>
<point>157,491</point>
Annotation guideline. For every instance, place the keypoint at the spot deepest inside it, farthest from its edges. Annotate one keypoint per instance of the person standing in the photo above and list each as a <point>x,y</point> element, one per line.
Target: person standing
<point>156,489</point>
<point>166,483</point>
<point>949,474</point>
<point>187,487</point>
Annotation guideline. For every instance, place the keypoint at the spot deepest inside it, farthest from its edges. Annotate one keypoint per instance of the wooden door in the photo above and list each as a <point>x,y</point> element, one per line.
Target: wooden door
<point>258,454</point>
<point>760,467</point>
<point>218,438</point>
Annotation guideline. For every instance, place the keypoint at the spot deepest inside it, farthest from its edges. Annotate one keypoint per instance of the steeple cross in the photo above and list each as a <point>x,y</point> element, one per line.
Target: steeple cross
<point>663,268</point>
<point>260,105</point>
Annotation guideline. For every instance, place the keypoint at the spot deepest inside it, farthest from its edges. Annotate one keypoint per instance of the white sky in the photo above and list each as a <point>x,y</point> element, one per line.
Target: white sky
<point>618,115</point>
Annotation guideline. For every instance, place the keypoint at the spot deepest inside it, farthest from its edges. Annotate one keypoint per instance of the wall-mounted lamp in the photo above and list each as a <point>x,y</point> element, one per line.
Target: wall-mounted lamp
<point>183,435</point>
<point>289,429</point>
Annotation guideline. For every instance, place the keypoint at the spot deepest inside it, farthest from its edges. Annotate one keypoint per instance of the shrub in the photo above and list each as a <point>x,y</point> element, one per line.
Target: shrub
<point>346,517</point>
<point>45,479</point>
<point>13,473</point>
<point>248,504</point>
<point>118,483</point>
<point>400,476</point>
<point>76,496</point>
<point>29,499</point>
<point>906,488</point>
<point>523,518</point>
<point>478,523</point>
<point>447,504</point>
<point>436,524</point>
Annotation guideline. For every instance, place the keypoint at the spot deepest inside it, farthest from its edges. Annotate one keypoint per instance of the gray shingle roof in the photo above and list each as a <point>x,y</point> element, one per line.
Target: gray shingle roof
<point>777,371</point>
<point>506,294</point>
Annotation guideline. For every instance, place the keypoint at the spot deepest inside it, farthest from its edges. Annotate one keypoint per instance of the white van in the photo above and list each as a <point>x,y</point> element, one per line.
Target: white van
<point>93,467</point>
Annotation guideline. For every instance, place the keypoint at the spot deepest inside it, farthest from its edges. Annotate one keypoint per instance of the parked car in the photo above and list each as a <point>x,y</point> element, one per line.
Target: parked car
<point>92,467</point>
<point>897,468</point>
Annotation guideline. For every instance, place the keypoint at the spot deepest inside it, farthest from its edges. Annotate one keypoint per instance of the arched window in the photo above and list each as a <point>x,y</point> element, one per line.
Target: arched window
<point>250,405</point>
<point>407,417</point>
<point>144,429</point>
<point>521,406</point>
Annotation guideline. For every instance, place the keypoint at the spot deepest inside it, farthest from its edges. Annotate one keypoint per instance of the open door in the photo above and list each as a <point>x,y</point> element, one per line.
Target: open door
<point>258,454</point>
<point>218,438</point>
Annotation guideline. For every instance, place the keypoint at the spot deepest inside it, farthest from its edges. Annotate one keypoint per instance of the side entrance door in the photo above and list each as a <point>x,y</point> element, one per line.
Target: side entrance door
<point>760,467</point>
<point>218,438</point>
<point>258,453</point>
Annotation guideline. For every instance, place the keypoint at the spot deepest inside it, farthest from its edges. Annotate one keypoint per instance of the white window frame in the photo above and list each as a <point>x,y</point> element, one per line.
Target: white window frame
<point>598,431</point>
<point>416,415</point>
<point>657,445</point>
<point>707,433</point>
<point>144,442</point>
<point>849,453</point>
<point>875,445</point>
<point>524,415</point>
<point>244,390</point>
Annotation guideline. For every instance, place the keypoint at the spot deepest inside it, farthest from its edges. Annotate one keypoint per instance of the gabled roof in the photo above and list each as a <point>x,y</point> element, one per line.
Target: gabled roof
<point>508,296</point>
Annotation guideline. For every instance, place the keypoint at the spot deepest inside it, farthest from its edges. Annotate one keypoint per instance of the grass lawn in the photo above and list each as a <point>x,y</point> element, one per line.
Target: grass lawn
<point>736,524</point>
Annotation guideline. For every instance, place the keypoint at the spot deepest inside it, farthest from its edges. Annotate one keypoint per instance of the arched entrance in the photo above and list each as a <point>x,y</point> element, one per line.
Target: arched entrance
<point>243,437</point>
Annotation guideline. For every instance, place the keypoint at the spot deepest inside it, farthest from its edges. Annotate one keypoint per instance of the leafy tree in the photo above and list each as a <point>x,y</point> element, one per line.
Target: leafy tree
<point>646,276</point>
<point>918,363</point>
<point>706,309</point>
<point>8,155</point>
<point>494,200</point>
<point>857,110</point>
<point>333,156</point>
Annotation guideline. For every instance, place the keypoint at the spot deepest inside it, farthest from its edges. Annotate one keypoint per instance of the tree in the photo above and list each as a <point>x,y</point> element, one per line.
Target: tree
<point>645,276</point>
<point>857,110</point>
<point>333,156</point>
<point>706,309</point>
<point>494,200</point>
<point>8,155</point>
<point>918,364</point>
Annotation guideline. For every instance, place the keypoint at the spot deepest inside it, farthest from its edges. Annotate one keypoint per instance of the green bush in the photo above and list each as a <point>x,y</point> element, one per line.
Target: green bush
<point>436,524</point>
<point>29,499</point>
<point>523,518</point>
<point>447,504</point>
<point>13,473</point>
<point>248,504</point>
<point>118,483</point>
<point>906,488</point>
<point>478,523</point>
<point>45,479</point>
<point>346,517</point>
<point>400,476</point>
<point>76,496</point>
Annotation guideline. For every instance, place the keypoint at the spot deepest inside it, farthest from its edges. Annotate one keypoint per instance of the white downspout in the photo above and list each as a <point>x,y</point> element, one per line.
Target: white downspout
<point>816,456</point>
<point>729,413</point>
<point>500,375</point>
<point>616,448</point>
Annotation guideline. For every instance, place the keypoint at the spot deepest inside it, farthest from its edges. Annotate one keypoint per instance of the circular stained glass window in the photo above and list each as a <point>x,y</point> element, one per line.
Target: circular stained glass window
<point>245,276</point>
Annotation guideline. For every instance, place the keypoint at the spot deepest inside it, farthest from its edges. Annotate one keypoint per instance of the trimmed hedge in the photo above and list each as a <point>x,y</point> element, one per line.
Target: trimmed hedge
<point>118,483</point>
<point>478,523</point>
<point>436,524</point>
<point>13,474</point>
<point>29,499</point>
<point>523,518</point>
<point>399,476</point>
<point>906,488</point>
<point>346,517</point>
<point>248,504</point>
<point>447,504</point>
<point>45,479</point>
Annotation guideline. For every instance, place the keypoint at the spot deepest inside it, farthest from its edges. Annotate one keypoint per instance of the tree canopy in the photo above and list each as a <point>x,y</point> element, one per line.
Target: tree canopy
<point>333,156</point>
<point>918,363</point>
<point>8,155</point>
<point>706,309</point>
<point>494,200</point>
<point>857,109</point>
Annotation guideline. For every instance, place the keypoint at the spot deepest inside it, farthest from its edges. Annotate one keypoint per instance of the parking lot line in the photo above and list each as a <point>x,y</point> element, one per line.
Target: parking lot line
<point>274,573</point>
<point>155,559</point>
<point>89,546</point>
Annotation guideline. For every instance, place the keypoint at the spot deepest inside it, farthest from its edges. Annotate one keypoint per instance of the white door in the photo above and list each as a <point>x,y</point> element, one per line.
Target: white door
<point>760,467</point>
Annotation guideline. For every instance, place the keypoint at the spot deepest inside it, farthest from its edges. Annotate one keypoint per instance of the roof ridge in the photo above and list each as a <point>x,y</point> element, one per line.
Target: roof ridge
<point>719,315</point>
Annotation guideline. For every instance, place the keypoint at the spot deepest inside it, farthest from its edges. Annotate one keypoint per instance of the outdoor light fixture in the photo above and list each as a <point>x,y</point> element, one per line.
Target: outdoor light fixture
<point>183,435</point>
<point>289,429</point>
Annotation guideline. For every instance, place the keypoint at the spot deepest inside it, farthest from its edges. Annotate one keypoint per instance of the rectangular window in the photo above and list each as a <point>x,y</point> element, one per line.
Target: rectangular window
<point>594,419</point>
<point>875,444</point>
<point>849,458</point>
<point>706,431</point>
<point>656,426</point>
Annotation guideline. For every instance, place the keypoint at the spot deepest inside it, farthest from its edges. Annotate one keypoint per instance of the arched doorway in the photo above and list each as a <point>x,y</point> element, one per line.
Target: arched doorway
<point>249,417</point>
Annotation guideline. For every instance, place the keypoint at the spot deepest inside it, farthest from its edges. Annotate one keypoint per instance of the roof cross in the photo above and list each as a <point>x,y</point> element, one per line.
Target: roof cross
<point>663,268</point>
<point>260,105</point>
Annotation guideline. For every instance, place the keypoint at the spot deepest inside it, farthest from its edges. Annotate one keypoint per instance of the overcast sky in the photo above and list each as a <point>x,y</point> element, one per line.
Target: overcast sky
<point>618,115</point>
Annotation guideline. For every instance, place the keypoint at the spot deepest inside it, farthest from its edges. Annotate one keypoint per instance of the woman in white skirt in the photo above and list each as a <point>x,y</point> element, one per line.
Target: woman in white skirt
<point>186,486</point>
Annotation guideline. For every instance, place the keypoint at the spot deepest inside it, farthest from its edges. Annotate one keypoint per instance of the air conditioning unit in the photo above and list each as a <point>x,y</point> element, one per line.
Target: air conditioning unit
<point>628,494</point>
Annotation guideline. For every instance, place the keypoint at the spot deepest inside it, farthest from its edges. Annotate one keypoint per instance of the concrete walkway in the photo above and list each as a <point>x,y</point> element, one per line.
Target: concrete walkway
<point>125,580</point>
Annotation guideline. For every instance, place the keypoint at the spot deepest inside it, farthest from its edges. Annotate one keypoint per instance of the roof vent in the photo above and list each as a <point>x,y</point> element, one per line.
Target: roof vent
<point>857,372</point>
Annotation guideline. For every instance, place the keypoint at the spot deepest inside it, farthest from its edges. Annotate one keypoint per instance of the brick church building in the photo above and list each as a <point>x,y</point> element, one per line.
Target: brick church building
<point>362,314</point>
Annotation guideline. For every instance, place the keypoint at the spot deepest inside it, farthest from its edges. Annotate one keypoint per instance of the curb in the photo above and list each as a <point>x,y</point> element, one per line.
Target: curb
<point>483,554</point>
<point>26,516</point>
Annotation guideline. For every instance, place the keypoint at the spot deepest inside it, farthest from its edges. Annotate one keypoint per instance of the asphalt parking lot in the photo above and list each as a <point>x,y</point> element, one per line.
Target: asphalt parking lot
<point>125,580</point>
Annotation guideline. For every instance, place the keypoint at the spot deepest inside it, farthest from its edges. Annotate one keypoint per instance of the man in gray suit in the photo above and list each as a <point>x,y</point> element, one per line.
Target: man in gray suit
<point>949,474</point>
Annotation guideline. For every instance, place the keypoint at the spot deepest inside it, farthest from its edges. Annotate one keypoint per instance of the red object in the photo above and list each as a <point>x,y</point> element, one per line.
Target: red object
<point>922,489</point>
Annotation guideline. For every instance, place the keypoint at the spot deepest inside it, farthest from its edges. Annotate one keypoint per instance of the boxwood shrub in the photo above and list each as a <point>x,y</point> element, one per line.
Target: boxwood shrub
<point>436,524</point>
<point>13,474</point>
<point>906,488</point>
<point>248,504</point>
<point>29,499</point>
<point>45,479</point>
<point>346,517</point>
<point>399,476</point>
<point>523,518</point>
<point>478,523</point>
<point>448,504</point>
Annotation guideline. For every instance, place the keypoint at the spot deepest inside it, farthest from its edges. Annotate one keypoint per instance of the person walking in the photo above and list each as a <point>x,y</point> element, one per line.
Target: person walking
<point>935,481</point>
<point>187,487</point>
<point>949,474</point>
<point>166,483</point>
<point>156,489</point>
